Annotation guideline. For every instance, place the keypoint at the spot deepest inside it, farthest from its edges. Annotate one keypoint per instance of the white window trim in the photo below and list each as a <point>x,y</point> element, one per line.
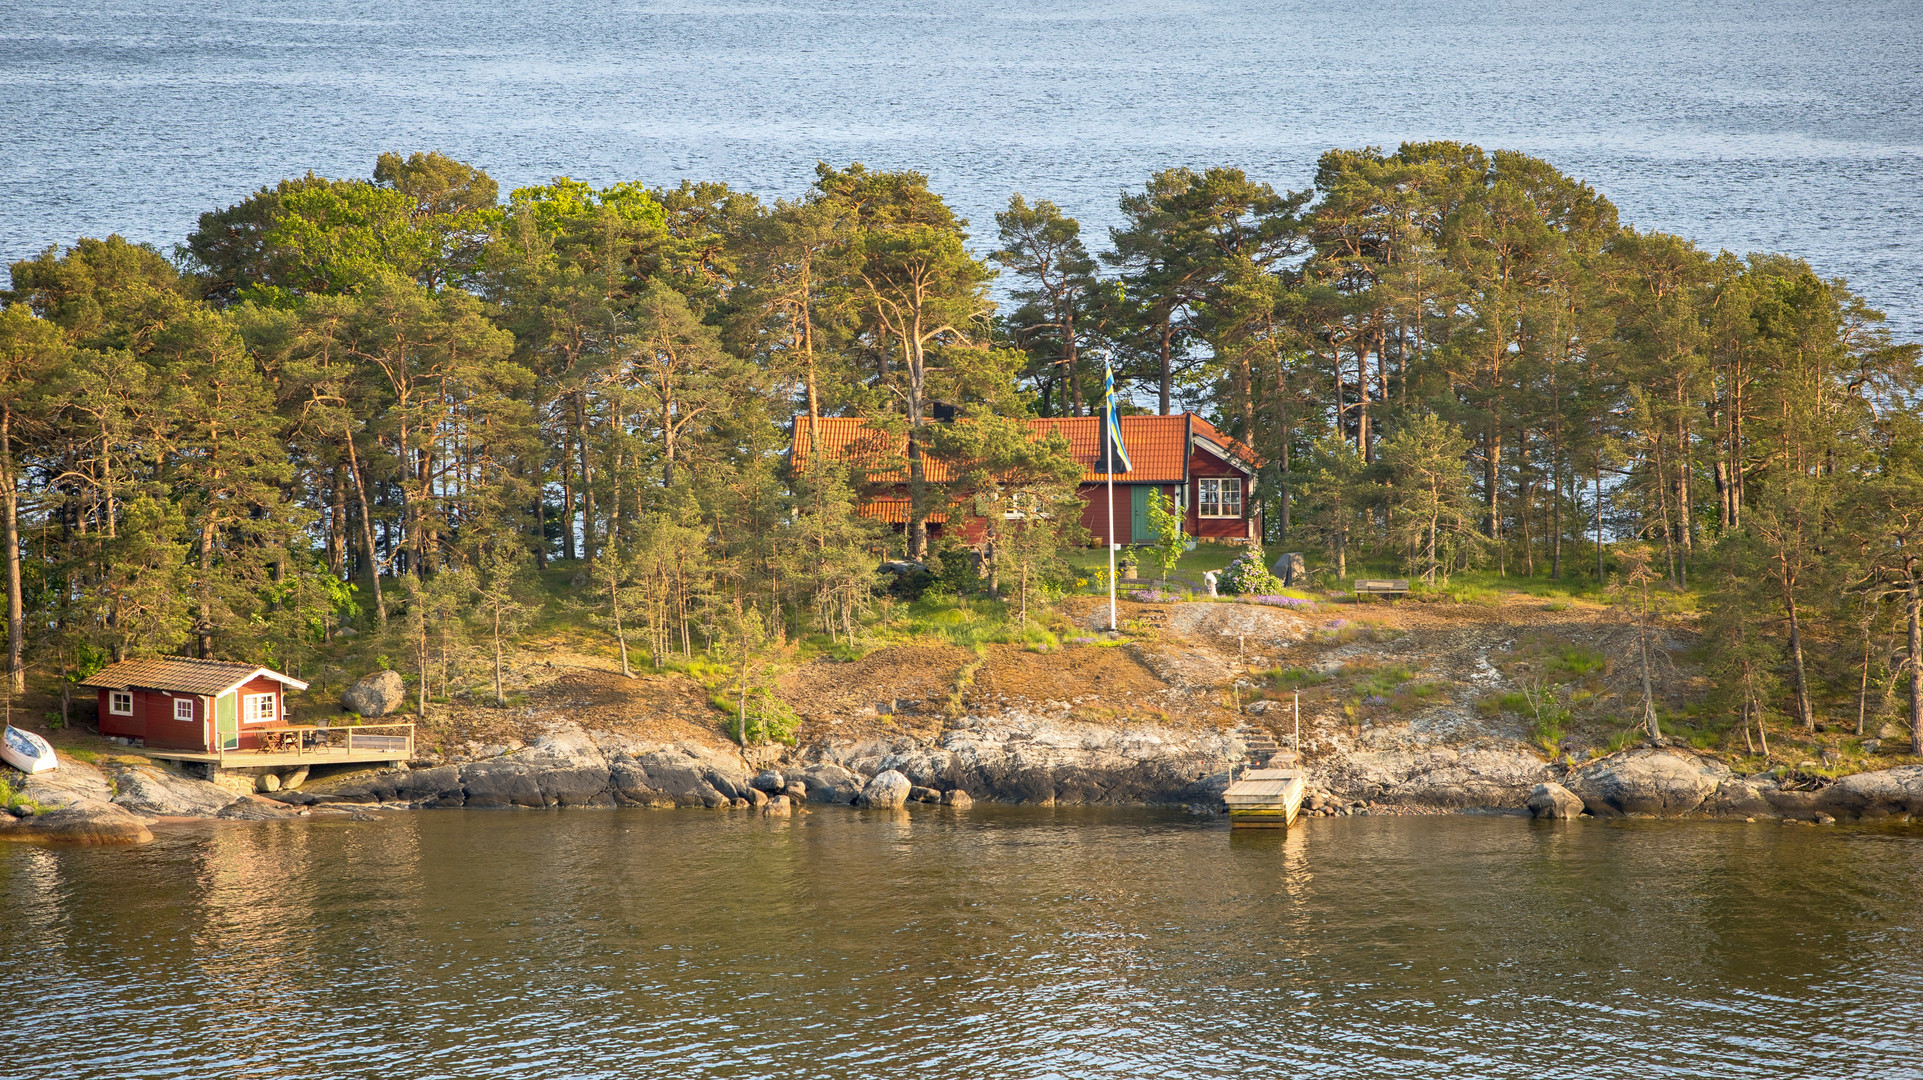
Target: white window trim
<point>249,714</point>
<point>113,702</point>
<point>1201,504</point>
<point>187,701</point>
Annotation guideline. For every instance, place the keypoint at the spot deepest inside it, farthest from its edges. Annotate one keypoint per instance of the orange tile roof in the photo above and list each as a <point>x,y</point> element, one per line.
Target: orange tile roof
<point>1157,447</point>
<point>182,674</point>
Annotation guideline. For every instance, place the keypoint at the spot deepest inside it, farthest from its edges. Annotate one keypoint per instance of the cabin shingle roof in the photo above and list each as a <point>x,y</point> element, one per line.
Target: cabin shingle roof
<point>1157,447</point>
<point>182,674</point>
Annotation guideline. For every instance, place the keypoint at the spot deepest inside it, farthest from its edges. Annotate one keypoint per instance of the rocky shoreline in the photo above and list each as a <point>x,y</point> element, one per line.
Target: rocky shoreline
<point>1012,758</point>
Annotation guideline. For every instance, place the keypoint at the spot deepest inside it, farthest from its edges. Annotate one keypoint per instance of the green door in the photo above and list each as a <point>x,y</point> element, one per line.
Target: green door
<point>227,720</point>
<point>1138,526</point>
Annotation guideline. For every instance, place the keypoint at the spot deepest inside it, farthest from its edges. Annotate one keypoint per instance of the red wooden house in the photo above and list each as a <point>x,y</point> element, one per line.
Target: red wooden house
<point>1209,474</point>
<point>203,706</point>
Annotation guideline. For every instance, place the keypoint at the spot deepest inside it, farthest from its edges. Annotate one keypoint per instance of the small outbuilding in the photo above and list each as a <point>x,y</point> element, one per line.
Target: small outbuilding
<point>199,706</point>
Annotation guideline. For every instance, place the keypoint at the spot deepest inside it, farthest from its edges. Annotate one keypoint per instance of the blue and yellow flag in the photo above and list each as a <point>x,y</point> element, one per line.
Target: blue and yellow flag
<point>1114,451</point>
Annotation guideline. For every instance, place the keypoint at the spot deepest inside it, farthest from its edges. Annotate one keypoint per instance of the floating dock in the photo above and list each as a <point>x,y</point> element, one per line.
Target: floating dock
<point>1266,798</point>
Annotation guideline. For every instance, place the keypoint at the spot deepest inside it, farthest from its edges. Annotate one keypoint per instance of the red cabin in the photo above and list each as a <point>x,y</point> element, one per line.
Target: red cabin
<point>1209,474</point>
<point>203,706</point>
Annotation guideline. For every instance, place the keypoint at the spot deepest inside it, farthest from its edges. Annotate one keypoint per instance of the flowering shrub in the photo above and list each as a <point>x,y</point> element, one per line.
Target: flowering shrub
<point>1246,575</point>
<point>1155,596</point>
<point>1082,640</point>
<point>1283,601</point>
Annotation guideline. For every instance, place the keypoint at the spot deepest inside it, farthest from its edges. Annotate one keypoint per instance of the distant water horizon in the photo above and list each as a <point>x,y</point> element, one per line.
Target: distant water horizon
<point>1750,127</point>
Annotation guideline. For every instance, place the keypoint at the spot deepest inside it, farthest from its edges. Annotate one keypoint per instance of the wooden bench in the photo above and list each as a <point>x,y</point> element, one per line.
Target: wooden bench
<point>1386,587</point>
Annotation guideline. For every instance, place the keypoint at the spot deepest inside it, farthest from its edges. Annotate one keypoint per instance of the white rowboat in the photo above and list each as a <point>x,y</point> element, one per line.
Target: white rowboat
<point>26,751</point>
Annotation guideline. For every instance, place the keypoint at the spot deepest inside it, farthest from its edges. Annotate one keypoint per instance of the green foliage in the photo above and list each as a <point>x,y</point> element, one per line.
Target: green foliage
<point>365,394</point>
<point>16,798</point>
<point>1247,575</point>
<point>1331,490</point>
<point>967,623</point>
<point>1165,522</point>
<point>1429,497</point>
<point>1296,678</point>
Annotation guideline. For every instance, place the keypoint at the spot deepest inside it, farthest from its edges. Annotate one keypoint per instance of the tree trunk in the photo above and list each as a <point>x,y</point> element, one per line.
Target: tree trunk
<point>620,632</point>
<point>587,481</point>
<point>1804,713</point>
<point>420,629</point>
<point>16,606</point>
<point>567,501</point>
<point>1650,723</point>
<point>1599,523</point>
<point>204,631</point>
<point>1863,691</point>
<point>1915,599</point>
<point>1168,368</point>
<point>367,533</point>
<point>500,701</point>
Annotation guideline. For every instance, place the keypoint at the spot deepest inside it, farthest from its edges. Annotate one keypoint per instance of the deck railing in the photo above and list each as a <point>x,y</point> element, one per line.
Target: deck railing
<point>320,740</point>
<point>389,738</point>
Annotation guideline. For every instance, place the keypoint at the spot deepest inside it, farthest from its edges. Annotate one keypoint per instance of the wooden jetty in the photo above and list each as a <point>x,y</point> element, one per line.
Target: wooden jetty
<point>1266,798</point>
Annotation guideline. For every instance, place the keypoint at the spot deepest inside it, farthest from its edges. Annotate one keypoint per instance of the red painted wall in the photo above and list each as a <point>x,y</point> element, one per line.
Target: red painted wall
<point>166,732</point>
<point>1095,512</point>
<point>153,719</point>
<point>1201,464</point>
<point>128,727</point>
<point>250,733</point>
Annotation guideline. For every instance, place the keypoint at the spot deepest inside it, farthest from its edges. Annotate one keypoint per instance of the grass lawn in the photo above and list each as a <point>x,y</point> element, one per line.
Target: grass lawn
<point>1187,573</point>
<point>1469,586</point>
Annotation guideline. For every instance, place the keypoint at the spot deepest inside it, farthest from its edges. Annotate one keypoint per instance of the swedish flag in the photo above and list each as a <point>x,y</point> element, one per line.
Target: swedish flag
<point>1114,451</point>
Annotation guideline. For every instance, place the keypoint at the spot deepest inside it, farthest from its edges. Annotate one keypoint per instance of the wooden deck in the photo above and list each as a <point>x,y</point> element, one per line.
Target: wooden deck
<point>303,745</point>
<point>1265,799</point>
<point>272,759</point>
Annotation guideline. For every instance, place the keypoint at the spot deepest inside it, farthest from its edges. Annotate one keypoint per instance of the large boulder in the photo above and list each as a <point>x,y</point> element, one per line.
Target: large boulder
<point>1552,800</point>
<point>375,695</point>
<point>770,781</point>
<point>413,787</point>
<point>86,821</point>
<point>158,792</point>
<point>255,808</point>
<point>1021,758</point>
<point>1655,782</point>
<point>888,790</point>
<point>678,776</point>
<point>74,781</point>
<point>829,783</point>
<point>1438,776</point>
<point>1740,797</point>
<point>1880,794</point>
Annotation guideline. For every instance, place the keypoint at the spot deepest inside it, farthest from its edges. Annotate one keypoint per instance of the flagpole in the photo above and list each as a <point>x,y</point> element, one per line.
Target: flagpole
<point>1112,624</point>
<point>1108,452</point>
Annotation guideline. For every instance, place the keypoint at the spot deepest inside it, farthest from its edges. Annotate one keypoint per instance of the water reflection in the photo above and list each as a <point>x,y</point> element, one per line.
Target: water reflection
<point>993,943</point>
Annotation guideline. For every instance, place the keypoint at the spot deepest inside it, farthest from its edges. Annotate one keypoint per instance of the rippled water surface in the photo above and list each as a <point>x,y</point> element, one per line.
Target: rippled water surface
<point>993,943</point>
<point>1746,124</point>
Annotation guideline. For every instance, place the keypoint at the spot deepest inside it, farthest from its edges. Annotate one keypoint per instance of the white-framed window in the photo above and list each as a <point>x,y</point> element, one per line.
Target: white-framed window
<point>258,708</point>
<point>120,702</point>
<point>1219,497</point>
<point>184,709</point>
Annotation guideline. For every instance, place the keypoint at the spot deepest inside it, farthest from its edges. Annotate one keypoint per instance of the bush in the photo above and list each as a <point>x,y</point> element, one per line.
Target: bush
<point>954,566</point>
<point>1246,574</point>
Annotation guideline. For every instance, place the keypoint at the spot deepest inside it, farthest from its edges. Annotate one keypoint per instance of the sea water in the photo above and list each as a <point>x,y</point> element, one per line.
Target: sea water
<point>1750,125</point>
